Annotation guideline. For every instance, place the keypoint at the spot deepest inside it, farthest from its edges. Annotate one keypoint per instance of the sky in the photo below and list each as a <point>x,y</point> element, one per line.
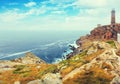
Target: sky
<point>37,15</point>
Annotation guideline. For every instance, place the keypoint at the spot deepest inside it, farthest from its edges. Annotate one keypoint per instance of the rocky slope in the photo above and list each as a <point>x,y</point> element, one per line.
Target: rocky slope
<point>102,65</point>
<point>29,58</point>
<point>97,63</point>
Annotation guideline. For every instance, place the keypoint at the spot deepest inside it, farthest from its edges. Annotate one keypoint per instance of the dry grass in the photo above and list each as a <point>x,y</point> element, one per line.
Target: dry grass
<point>26,73</point>
<point>95,75</point>
<point>93,55</point>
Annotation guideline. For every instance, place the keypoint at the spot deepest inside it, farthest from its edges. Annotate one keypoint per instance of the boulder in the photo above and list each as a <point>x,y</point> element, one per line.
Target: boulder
<point>49,78</point>
<point>29,58</point>
<point>116,80</point>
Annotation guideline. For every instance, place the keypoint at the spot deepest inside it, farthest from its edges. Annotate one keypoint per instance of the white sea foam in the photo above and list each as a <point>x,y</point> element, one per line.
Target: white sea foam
<point>56,60</point>
<point>74,44</point>
<point>14,54</point>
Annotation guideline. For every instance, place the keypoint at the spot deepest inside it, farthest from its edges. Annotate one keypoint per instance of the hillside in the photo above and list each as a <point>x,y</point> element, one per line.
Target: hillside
<point>97,63</point>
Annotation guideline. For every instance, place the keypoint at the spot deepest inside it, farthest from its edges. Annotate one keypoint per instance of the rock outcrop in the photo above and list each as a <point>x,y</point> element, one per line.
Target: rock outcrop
<point>106,32</point>
<point>29,58</point>
<point>48,79</point>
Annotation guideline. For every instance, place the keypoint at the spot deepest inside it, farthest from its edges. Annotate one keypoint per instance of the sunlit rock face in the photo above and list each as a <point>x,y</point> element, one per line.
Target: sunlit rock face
<point>29,58</point>
<point>107,32</point>
<point>48,79</point>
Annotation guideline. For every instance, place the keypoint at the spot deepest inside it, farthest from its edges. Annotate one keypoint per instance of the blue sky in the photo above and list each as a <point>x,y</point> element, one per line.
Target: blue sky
<point>37,15</point>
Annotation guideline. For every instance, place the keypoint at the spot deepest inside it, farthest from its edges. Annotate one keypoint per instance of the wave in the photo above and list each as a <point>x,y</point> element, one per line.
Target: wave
<point>68,51</point>
<point>57,60</point>
<point>14,54</point>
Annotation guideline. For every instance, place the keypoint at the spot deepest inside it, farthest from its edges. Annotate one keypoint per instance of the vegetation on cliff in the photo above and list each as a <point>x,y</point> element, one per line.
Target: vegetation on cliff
<point>97,63</point>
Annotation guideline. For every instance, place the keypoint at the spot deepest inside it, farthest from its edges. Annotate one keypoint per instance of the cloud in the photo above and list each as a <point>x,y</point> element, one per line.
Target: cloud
<point>11,16</point>
<point>13,3</point>
<point>41,10</point>
<point>91,3</point>
<point>58,12</point>
<point>37,11</point>
<point>97,4</point>
<point>30,4</point>
<point>60,1</point>
<point>16,14</point>
<point>55,17</point>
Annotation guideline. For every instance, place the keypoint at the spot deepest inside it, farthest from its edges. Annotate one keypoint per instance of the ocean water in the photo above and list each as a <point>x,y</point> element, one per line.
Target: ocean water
<point>48,45</point>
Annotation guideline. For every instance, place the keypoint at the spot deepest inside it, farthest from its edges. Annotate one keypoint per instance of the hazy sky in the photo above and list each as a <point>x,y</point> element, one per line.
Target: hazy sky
<point>56,14</point>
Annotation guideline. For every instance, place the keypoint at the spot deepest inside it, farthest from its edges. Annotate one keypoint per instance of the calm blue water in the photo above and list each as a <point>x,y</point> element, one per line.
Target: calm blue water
<point>48,45</point>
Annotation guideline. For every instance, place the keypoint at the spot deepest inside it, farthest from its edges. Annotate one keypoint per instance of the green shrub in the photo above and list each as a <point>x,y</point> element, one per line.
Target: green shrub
<point>112,43</point>
<point>19,69</point>
<point>50,69</point>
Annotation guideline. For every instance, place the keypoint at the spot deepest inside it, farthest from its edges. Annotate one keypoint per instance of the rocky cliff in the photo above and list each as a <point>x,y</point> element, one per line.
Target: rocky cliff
<point>100,64</point>
<point>106,32</point>
<point>29,58</point>
<point>97,63</point>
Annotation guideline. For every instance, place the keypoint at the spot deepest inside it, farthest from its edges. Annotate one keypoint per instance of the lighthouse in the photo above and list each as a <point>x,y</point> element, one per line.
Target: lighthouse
<point>113,17</point>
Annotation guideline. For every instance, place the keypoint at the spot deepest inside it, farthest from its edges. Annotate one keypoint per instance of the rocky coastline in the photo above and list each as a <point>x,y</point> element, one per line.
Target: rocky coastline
<point>96,60</point>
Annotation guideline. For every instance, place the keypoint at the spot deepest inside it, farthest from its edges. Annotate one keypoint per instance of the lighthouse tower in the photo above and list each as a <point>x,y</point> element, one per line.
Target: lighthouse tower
<point>113,17</point>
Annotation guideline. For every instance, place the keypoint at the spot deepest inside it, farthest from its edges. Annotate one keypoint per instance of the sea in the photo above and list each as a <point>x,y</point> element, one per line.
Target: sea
<point>48,45</point>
